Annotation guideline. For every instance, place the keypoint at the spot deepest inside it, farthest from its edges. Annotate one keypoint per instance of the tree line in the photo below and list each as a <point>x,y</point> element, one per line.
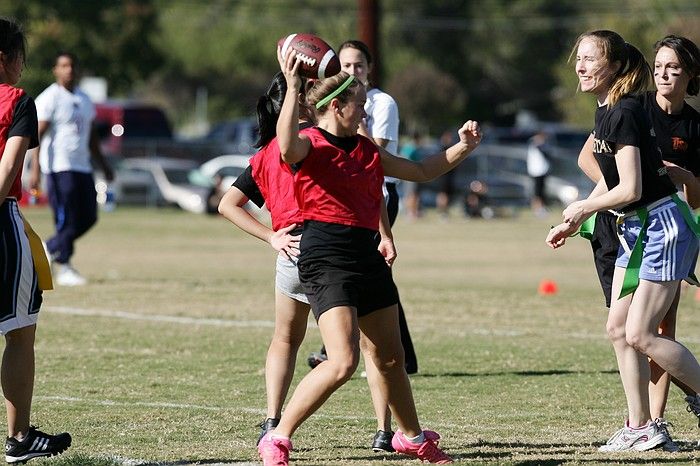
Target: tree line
<point>442,60</point>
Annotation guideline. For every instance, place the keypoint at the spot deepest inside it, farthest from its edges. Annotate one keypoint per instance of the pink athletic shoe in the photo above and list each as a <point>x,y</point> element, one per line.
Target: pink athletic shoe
<point>274,451</point>
<point>426,451</point>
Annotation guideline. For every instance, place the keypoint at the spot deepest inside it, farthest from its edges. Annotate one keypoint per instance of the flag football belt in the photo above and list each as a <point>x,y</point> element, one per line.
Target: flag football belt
<point>41,262</point>
<point>631,279</point>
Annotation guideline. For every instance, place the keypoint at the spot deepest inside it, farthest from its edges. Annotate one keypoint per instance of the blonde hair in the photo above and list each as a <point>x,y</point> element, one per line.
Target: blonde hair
<point>324,87</point>
<point>634,75</point>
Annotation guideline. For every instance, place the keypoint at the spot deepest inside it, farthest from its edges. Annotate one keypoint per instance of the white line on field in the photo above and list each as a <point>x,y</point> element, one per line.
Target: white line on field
<point>158,404</point>
<point>159,317</point>
<point>456,331</point>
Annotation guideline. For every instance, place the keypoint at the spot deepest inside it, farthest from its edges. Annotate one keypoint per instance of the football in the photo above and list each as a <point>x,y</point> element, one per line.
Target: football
<point>318,59</point>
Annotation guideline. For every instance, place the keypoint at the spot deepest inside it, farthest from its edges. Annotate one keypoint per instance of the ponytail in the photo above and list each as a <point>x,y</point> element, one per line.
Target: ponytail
<point>268,110</point>
<point>634,76</point>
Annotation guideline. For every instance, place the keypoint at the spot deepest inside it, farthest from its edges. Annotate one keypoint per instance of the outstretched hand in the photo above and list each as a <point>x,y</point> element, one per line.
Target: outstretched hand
<point>289,64</point>
<point>285,243</point>
<point>470,133</point>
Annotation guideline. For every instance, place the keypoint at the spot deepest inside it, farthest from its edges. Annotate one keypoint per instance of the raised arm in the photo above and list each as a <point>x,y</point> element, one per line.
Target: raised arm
<point>293,148</point>
<point>437,164</point>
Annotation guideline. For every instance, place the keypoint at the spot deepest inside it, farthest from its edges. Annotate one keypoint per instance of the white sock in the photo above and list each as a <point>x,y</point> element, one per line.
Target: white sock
<point>420,438</point>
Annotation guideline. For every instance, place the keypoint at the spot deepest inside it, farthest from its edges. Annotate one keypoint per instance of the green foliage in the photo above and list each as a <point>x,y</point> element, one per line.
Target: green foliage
<point>495,57</point>
<point>112,38</point>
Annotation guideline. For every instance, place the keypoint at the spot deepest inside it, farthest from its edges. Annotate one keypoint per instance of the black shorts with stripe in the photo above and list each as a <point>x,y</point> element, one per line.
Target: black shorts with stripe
<point>20,296</point>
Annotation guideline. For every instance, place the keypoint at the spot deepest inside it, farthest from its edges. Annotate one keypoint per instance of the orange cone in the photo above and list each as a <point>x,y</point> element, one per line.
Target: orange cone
<point>547,287</point>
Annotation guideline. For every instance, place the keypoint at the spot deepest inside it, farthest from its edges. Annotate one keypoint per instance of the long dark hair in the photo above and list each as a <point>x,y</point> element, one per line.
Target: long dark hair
<point>634,75</point>
<point>689,56</point>
<point>268,110</point>
<point>13,42</point>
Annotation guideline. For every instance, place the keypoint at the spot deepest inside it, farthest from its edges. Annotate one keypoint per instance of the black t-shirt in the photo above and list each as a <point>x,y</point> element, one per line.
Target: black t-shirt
<point>626,123</point>
<point>24,121</point>
<point>246,183</point>
<point>677,135</point>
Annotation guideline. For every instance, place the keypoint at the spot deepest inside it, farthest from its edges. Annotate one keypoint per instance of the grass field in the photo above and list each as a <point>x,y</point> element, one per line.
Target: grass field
<point>159,360</point>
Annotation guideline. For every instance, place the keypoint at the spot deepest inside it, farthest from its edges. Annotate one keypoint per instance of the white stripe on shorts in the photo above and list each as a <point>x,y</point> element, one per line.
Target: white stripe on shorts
<point>670,227</point>
<point>25,282</point>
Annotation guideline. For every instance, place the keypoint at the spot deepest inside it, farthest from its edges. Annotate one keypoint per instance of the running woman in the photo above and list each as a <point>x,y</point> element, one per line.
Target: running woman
<point>656,232</point>
<point>346,279</point>
<point>20,283</point>
<point>677,128</point>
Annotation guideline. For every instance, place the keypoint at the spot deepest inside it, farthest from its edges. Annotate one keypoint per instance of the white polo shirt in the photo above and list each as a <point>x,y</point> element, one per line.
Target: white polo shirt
<point>383,120</point>
<point>65,145</point>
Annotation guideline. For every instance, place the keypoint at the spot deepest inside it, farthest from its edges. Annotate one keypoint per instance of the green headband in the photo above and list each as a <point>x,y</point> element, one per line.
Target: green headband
<point>335,93</point>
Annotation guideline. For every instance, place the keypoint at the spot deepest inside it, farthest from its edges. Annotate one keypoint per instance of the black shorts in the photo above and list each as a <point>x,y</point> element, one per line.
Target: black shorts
<point>340,266</point>
<point>605,244</point>
<point>538,189</point>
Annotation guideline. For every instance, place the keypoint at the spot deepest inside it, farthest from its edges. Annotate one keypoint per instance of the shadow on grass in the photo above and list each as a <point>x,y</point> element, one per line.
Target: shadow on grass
<point>521,373</point>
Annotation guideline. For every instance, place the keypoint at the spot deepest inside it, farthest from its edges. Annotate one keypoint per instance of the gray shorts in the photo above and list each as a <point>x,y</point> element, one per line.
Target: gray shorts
<point>287,279</point>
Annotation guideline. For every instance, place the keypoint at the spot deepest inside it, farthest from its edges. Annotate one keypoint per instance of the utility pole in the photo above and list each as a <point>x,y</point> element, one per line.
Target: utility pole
<point>368,28</point>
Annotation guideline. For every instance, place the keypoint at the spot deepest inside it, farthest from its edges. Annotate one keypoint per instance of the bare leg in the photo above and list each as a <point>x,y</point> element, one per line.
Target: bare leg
<point>341,336</point>
<point>291,318</point>
<point>660,379</point>
<point>633,366</point>
<point>379,401</point>
<point>383,345</point>
<point>17,376</point>
<point>649,305</point>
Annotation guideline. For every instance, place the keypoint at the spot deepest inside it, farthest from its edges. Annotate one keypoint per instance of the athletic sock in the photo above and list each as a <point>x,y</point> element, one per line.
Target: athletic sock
<point>420,438</point>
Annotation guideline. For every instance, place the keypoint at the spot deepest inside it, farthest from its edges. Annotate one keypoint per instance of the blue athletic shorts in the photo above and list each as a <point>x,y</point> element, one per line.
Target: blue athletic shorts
<point>670,246</point>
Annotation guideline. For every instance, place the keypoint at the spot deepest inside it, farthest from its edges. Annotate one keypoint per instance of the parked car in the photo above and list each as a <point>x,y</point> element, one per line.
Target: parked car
<point>159,181</point>
<point>234,136</point>
<point>135,129</point>
<point>228,167</point>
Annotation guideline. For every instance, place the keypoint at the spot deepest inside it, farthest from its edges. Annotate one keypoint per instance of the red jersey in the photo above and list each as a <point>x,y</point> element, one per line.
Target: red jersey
<point>8,100</point>
<point>275,181</point>
<point>334,186</point>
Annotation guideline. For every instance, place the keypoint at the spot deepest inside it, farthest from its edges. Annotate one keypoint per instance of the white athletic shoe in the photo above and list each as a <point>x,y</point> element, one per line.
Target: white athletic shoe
<point>641,439</point>
<point>670,445</point>
<point>66,275</point>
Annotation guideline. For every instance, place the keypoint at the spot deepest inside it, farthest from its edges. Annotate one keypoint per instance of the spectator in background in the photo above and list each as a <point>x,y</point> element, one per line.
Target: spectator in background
<point>538,167</point>
<point>447,181</point>
<point>411,191</point>
<point>68,140</point>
